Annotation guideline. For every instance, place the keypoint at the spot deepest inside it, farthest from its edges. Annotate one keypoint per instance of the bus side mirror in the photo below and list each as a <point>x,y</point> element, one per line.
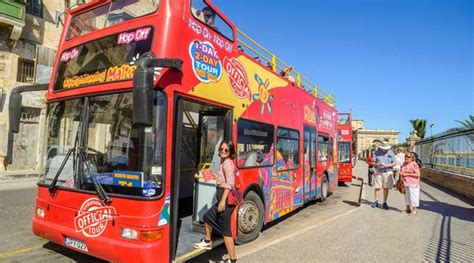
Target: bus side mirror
<point>14,109</point>
<point>143,97</point>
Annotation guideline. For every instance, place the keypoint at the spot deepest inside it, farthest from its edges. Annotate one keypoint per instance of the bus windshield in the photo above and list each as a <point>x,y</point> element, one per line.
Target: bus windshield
<point>126,159</point>
<point>108,59</point>
<point>109,14</point>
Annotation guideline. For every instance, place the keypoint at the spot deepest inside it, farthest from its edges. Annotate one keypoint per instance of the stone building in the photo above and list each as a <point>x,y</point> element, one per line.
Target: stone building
<point>365,139</point>
<point>29,37</point>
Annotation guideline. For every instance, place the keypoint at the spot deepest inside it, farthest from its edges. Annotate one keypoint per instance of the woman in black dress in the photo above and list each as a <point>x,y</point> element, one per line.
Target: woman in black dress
<point>218,218</point>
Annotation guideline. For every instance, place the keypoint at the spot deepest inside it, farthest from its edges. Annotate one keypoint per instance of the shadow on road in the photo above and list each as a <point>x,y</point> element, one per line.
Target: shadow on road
<point>351,203</point>
<point>390,208</point>
<point>440,247</point>
<point>217,254</point>
<point>76,256</point>
<point>446,209</point>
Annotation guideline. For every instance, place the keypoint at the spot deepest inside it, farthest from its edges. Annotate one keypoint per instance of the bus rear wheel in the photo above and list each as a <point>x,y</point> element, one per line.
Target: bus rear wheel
<point>324,188</point>
<point>250,218</point>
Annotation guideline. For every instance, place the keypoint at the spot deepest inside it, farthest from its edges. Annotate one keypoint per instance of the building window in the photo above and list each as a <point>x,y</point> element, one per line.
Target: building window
<point>30,115</point>
<point>35,8</point>
<point>26,71</point>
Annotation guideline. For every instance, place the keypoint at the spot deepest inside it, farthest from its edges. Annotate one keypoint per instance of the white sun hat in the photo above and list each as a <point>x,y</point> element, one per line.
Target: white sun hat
<point>385,146</point>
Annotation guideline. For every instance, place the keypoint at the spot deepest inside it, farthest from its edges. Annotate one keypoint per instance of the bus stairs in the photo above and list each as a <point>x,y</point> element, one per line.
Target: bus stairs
<point>190,233</point>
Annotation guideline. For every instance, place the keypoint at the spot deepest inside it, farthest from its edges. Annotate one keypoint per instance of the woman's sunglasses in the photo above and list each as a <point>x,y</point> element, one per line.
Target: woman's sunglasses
<point>223,150</point>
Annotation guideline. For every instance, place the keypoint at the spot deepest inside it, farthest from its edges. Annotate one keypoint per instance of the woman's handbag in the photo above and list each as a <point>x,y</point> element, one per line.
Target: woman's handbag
<point>235,197</point>
<point>400,185</point>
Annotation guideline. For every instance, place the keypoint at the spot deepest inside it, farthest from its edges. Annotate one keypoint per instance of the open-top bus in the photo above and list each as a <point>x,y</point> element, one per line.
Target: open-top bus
<point>344,156</point>
<point>142,93</point>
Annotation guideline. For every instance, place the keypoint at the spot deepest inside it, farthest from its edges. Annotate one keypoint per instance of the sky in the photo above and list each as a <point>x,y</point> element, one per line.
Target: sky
<point>390,61</point>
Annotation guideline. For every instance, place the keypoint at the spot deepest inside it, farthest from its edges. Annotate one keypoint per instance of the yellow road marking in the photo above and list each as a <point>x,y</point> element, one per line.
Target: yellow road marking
<point>189,255</point>
<point>17,252</point>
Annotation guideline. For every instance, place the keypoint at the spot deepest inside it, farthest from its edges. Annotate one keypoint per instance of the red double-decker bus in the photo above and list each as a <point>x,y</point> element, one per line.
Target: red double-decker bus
<point>344,156</point>
<point>142,94</point>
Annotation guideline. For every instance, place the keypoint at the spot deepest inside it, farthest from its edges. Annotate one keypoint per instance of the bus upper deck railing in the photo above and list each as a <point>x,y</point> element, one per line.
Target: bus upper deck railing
<point>272,62</point>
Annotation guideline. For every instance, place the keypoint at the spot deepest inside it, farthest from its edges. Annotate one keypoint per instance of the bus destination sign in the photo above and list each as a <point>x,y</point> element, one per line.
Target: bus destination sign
<point>104,60</point>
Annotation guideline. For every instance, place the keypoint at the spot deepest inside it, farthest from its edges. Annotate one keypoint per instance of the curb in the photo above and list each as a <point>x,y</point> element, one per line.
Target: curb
<point>18,176</point>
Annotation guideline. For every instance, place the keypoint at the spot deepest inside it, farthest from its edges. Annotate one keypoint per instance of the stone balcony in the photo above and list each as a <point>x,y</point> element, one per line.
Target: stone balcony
<point>12,18</point>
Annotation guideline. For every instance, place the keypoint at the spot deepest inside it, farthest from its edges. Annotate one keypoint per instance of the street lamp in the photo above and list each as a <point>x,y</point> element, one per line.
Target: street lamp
<point>431,129</point>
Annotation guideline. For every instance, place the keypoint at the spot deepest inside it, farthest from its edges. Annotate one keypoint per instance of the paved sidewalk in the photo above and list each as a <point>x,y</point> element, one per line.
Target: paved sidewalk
<point>442,231</point>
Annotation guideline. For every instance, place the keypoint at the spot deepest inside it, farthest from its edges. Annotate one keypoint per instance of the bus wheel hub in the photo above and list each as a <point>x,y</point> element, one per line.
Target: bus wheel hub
<point>248,217</point>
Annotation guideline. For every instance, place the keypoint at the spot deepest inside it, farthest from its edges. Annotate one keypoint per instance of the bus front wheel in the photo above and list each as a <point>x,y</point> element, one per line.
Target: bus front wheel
<point>250,218</point>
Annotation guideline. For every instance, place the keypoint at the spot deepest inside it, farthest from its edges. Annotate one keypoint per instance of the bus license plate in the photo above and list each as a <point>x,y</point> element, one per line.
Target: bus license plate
<point>75,243</point>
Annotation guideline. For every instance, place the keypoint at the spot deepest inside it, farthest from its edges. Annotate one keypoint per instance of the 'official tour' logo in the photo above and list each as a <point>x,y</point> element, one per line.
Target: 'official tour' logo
<point>237,78</point>
<point>93,217</point>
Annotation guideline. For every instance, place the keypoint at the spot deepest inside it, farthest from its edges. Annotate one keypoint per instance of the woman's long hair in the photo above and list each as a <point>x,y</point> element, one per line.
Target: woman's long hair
<point>231,148</point>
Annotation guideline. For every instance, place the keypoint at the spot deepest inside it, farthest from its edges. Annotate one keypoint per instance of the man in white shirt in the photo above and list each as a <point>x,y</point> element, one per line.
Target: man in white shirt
<point>400,159</point>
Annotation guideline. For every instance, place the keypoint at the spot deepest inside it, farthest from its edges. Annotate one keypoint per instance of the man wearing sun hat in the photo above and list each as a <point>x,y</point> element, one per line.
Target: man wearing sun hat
<point>383,178</point>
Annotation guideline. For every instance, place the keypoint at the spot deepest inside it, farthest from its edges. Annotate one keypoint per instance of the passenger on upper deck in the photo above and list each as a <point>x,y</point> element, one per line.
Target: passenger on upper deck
<point>286,74</point>
<point>209,16</point>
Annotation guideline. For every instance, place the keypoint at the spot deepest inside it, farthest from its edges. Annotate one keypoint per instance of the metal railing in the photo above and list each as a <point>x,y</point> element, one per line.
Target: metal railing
<point>453,151</point>
<point>272,62</point>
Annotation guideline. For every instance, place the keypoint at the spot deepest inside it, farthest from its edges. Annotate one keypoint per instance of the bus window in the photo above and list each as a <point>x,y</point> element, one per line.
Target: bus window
<point>106,15</point>
<point>344,152</point>
<point>343,119</point>
<point>254,141</point>
<point>323,148</point>
<point>288,147</point>
<point>208,16</point>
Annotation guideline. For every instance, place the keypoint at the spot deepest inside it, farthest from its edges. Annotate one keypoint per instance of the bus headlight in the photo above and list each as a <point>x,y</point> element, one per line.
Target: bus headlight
<point>40,212</point>
<point>129,233</point>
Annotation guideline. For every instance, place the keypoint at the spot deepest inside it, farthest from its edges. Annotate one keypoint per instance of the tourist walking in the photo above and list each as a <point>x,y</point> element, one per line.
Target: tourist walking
<point>383,178</point>
<point>410,173</point>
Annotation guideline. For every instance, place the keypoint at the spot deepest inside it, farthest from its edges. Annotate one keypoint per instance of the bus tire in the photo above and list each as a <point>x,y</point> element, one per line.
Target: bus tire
<point>250,218</point>
<point>324,188</point>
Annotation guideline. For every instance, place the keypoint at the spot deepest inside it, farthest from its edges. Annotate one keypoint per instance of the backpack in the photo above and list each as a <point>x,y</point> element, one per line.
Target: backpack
<point>418,160</point>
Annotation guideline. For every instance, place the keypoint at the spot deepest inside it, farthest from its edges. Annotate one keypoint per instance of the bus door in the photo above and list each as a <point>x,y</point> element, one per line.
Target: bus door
<point>211,133</point>
<point>344,161</point>
<point>200,128</point>
<point>309,163</point>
